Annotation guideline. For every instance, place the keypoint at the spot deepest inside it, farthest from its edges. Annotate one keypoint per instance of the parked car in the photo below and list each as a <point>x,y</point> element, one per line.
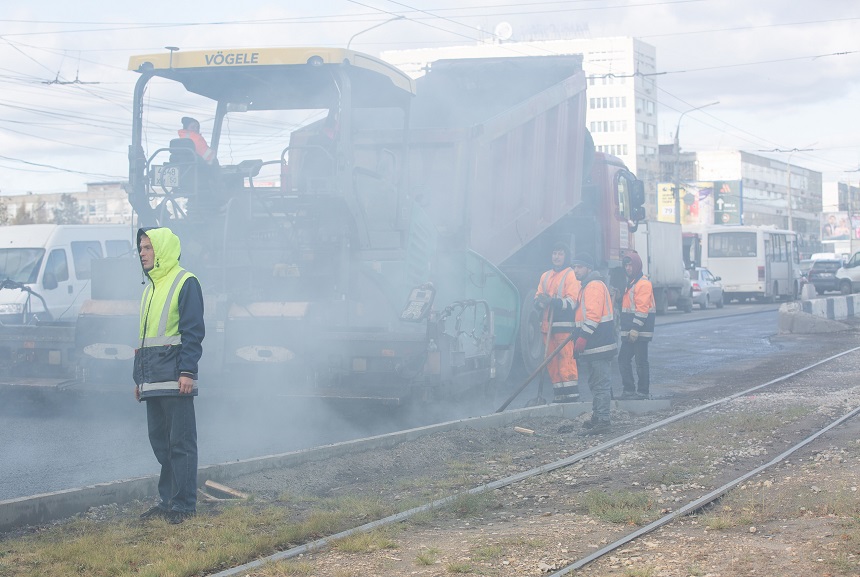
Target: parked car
<point>848,276</point>
<point>707,289</point>
<point>822,275</point>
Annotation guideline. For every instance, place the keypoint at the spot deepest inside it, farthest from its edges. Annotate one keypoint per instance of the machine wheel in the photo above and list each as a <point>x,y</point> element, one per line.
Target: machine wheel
<point>845,287</point>
<point>662,298</point>
<point>705,304</point>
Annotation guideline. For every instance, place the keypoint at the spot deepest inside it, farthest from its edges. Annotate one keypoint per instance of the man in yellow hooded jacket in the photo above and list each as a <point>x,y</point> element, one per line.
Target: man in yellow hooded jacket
<point>165,369</point>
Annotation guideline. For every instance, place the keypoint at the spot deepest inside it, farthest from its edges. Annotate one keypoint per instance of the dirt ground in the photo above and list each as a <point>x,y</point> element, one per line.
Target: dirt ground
<point>801,517</point>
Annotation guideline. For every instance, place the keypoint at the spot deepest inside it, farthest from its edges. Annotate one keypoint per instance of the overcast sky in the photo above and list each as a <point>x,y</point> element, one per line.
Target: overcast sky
<point>785,72</point>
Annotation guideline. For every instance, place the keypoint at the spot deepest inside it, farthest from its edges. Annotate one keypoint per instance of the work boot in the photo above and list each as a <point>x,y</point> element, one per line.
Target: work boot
<point>154,512</point>
<point>628,395</point>
<point>595,427</point>
<point>640,396</point>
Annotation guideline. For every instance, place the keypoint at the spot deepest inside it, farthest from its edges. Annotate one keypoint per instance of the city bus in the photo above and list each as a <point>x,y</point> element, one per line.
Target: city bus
<point>752,261</point>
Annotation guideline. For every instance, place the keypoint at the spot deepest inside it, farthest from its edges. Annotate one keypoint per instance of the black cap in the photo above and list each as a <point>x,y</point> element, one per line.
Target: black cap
<point>583,259</point>
<point>187,120</point>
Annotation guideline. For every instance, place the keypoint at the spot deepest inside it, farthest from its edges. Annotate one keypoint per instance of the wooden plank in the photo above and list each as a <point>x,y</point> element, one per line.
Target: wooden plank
<point>225,490</point>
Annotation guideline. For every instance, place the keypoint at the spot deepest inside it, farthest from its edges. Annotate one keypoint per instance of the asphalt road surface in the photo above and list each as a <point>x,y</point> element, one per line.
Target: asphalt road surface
<point>59,441</point>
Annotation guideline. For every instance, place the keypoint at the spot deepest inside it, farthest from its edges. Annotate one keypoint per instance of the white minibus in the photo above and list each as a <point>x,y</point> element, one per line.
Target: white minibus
<point>48,266</point>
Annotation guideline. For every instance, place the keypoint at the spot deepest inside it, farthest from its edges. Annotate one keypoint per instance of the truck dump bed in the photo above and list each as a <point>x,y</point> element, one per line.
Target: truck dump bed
<point>497,154</point>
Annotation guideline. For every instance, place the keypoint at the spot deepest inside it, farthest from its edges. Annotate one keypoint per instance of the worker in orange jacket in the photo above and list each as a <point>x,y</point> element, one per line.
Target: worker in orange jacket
<point>638,313</point>
<point>557,295</point>
<point>191,130</point>
<point>595,346</point>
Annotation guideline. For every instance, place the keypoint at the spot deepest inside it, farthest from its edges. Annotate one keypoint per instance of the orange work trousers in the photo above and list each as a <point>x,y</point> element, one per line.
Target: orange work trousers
<point>562,368</point>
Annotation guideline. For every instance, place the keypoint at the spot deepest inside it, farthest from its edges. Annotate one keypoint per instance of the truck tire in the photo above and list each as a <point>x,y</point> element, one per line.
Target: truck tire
<point>687,303</point>
<point>661,299</point>
<point>845,287</point>
<point>530,343</point>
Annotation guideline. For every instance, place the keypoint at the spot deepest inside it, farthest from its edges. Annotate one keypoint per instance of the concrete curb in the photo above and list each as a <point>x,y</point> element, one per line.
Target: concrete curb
<point>818,315</point>
<point>38,509</point>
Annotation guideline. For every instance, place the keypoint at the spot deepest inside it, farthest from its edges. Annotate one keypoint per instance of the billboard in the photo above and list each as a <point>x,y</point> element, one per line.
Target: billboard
<point>835,226</point>
<point>702,203</point>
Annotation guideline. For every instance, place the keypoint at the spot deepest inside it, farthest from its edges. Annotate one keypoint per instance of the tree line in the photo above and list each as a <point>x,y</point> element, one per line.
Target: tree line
<point>67,211</point>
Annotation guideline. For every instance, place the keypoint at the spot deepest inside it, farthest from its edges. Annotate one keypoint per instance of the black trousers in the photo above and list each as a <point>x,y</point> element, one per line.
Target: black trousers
<point>638,350</point>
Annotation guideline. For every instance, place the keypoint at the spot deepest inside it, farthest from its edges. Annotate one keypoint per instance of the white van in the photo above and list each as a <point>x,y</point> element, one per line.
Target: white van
<point>49,265</point>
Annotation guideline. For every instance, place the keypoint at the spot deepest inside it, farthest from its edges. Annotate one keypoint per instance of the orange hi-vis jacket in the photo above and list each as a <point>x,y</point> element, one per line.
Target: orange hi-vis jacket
<point>563,285</point>
<point>200,144</point>
<point>595,320</point>
<point>638,311</point>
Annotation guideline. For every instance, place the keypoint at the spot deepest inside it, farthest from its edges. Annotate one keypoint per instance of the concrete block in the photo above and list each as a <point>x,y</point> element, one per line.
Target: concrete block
<point>799,322</point>
<point>808,292</point>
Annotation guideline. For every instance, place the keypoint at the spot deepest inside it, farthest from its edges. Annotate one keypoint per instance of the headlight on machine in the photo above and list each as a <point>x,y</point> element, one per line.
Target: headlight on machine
<point>11,309</point>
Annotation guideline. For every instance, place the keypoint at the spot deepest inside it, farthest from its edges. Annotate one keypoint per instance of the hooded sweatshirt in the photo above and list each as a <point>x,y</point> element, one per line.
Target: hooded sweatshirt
<point>171,320</point>
<point>638,310</point>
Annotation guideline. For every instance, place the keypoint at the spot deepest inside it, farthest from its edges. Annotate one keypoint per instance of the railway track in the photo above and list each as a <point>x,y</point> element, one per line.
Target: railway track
<point>793,379</point>
<point>537,487</point>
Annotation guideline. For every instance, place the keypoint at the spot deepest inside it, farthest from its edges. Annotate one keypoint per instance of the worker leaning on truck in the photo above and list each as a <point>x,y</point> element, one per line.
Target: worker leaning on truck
<point>638,313</point>
<point>556,296</point>
<point>165,369</point>
<point>595,345</point>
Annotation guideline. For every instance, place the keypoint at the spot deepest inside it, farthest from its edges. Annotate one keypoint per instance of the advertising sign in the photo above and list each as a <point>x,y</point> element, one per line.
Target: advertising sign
<point>727,201</point>
<point>834,226</point>
<point>699,203</point>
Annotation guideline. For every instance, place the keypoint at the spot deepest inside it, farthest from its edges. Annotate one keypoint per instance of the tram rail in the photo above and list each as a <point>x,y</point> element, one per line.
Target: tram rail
<point>692,506</point>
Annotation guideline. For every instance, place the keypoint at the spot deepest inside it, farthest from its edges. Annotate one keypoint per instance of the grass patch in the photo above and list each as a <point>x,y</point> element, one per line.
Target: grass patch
<point>487,552</point>
<point>367,542</point>
<point>670,475</point>
<point>458,568</point>
<point>619,507</point>
<point>428,556</point>
<point>239,533</point>
<point>288,568</point>
<point>471,505</point>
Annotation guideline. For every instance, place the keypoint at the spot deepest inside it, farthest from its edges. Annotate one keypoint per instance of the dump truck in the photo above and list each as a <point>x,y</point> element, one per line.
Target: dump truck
<point>376,239</point>
<point>661,247</point>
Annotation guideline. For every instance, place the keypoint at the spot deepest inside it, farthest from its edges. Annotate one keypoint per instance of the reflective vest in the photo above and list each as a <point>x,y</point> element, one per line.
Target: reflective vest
<point>595,320</point>
<point>562,285</point>
<point>156,368</point>
<point>638,310</point>
<point>200,144</point>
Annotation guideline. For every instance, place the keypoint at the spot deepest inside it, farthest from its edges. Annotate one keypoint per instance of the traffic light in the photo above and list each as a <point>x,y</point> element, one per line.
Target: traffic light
<point>637,201</point>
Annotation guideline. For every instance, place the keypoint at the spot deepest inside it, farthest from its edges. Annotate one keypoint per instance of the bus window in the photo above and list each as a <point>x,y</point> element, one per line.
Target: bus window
<point>731,244</point>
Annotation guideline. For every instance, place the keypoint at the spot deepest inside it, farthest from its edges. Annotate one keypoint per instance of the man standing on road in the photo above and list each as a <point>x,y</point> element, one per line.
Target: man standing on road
<point>165,369</point>
<point>595,342</point>
<point>638,313</point>
<point>557,295</point>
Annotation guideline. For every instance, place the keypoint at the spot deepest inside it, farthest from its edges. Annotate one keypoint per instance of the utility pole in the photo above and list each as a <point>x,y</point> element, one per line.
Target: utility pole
<point>676,180</point>
<point>372,27</point>
<point>790,152</point>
